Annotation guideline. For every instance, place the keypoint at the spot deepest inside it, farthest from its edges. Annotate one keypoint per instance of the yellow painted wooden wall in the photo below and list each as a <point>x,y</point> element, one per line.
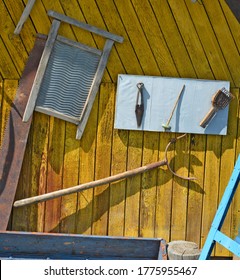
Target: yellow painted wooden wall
<point>173,38</point>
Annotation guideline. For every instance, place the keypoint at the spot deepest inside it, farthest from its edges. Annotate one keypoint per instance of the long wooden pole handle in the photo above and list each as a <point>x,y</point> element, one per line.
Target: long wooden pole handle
<point>85,186</point>
<point>208,117</point>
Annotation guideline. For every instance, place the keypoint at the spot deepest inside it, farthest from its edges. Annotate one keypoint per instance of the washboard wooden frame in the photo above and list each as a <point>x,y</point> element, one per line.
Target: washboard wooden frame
<point>52,40</point>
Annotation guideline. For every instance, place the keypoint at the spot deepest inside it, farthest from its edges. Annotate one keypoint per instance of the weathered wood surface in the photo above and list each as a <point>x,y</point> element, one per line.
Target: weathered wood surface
<point>15,137</point>
<point>70,246</point>
<point>162,37</point>
<point>182,250</point>
<point>24,16</point>
<point>41,70</point>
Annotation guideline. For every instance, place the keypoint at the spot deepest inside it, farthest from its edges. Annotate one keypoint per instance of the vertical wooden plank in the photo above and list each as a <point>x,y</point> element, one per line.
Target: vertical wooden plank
<point>87,172</point>
<point>9,91</point>
<point>118,189</point>
<point>39,163</point>
<point>55,173</point>
<point>148,190</point>
<point>227,166</point>
<point>8,88</point>
<point>70,178</point>
<point>180,190</point>
<point>211,183</point>
<point>132,208</point>
<point>25,219</point>
<point>103,158</point>
<point>196,189</point>
<point>164,191</point>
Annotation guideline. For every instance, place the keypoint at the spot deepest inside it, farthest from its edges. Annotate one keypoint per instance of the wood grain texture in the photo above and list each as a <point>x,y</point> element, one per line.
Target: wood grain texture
<point>103,159</point>
<point>70,178</point>
<point>84,216</point>
<point>148,186</point>
<point>24,16</point>
<point>14,44</point>
<point>163,38</point>
<point>55,173</point>
<point>180,190</point>
<point>225,39</point>
<point>39,163</point>
<point>134,159</point>
<point>8,91</point>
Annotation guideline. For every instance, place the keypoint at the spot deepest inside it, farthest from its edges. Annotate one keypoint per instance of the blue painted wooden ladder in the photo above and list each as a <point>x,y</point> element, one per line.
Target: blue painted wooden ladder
<point>215,235</point>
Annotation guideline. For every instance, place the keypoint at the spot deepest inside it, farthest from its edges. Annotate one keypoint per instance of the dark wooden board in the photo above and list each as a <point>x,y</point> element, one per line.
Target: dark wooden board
<point>75,246</point>
<point>15,137</point>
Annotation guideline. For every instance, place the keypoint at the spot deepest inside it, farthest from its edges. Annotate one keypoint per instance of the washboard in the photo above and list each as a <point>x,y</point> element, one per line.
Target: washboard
<point>69,74</point>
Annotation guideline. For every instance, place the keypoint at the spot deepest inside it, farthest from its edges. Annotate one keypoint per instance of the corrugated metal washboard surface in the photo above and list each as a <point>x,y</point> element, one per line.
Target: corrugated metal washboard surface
<point>67,80</point>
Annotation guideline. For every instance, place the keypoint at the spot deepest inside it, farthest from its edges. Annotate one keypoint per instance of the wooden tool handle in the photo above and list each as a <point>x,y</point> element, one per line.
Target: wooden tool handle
<point>208,117</point>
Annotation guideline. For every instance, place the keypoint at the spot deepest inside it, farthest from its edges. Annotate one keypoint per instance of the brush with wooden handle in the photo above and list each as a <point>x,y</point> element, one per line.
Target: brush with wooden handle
<point>220,100</point>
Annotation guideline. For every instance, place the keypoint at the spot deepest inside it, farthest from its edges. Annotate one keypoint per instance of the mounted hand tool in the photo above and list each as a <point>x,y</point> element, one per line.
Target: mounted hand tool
<point>167,126</point>
<point>220,100</point>
<point>104,181</point>
<point>139,109</point>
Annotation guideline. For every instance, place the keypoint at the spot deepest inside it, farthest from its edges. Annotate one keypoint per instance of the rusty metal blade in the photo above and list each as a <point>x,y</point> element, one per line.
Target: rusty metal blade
<point>139,113</point>
<point>15,137</point>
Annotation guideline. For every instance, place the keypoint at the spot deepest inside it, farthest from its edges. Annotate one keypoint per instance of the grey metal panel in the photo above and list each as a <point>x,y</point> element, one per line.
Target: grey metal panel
<point>67,80</point>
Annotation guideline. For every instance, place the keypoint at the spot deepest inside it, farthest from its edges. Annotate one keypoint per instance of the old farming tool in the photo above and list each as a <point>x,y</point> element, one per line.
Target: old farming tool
<point>167,126</point>
<point>107,180</point>
<point>220,100</point>
<point>139,109</point>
